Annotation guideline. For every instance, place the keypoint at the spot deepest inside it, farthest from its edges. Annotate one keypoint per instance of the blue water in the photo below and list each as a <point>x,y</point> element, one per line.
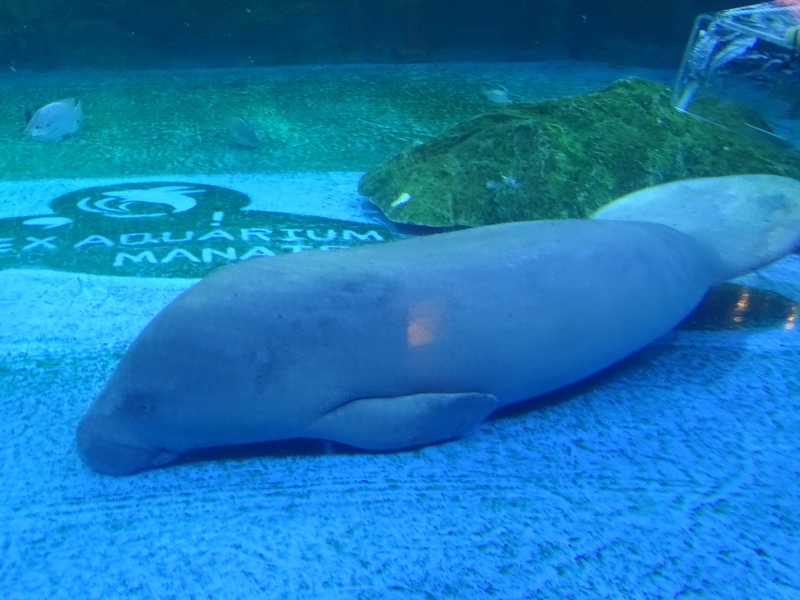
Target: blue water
<point>672,475</point>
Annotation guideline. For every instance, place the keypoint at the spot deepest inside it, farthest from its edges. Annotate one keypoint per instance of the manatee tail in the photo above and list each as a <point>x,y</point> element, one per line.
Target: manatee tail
<point>749,220</point>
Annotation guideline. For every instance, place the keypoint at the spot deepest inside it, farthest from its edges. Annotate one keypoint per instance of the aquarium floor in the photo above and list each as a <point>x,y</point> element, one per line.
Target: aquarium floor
<point>673,475</point>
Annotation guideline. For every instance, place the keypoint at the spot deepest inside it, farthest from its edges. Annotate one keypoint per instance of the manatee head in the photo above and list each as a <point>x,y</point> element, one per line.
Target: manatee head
<point>125,431</point>
<point>183,384</point>
<point>108,445</point>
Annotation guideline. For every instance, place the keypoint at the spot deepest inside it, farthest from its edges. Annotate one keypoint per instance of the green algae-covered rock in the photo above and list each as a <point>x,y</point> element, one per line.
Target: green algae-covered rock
<point>565,158</point>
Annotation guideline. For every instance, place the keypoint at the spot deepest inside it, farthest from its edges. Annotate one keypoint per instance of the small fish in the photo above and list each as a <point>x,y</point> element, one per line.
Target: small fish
<point>496,95</point>
<point>401,199</point>
<point>241,133</point>
<point>510,182</point>
<point>55,120</point>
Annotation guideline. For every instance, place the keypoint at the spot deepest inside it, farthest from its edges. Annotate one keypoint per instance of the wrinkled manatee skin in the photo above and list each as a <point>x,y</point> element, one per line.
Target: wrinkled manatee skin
<point>268,348</point>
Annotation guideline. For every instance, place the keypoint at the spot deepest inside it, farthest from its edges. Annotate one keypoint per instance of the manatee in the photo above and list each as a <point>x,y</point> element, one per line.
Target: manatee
<point>407,343</point>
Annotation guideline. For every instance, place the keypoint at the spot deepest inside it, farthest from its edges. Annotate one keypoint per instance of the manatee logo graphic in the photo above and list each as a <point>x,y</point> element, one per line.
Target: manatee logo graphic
<point>128,202</point>
<point>166,229</point>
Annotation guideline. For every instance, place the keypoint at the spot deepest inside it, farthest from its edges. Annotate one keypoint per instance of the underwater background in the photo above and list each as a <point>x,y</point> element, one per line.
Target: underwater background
<point>122,34</point>
<point>673,474</point>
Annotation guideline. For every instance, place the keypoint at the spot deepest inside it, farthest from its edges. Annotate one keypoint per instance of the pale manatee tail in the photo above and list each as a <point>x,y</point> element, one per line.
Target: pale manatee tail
<point>749,220</point>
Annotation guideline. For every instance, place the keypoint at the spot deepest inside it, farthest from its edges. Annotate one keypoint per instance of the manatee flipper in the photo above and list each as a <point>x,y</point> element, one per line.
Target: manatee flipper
<point>404,421</point>
<point>748,220</point>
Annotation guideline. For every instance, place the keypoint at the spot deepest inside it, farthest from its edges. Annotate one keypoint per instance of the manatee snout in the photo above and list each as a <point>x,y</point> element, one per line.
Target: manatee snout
<point>108,447</point>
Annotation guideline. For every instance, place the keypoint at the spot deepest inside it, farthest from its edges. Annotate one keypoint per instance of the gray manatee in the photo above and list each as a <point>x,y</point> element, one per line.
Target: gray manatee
<point>414,342</point>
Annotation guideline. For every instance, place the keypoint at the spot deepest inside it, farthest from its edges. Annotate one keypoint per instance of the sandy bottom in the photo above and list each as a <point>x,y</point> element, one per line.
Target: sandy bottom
<point>344,118</point>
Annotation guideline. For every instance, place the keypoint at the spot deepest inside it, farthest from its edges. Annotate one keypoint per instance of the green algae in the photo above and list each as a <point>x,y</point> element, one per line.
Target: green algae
<point>565,158</point>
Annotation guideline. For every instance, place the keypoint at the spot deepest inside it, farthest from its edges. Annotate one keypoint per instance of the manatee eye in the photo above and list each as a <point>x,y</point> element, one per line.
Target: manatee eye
<point>137,403</point>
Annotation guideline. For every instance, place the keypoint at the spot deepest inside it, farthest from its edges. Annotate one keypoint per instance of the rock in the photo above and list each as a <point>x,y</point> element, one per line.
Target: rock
<point>565,158</point>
